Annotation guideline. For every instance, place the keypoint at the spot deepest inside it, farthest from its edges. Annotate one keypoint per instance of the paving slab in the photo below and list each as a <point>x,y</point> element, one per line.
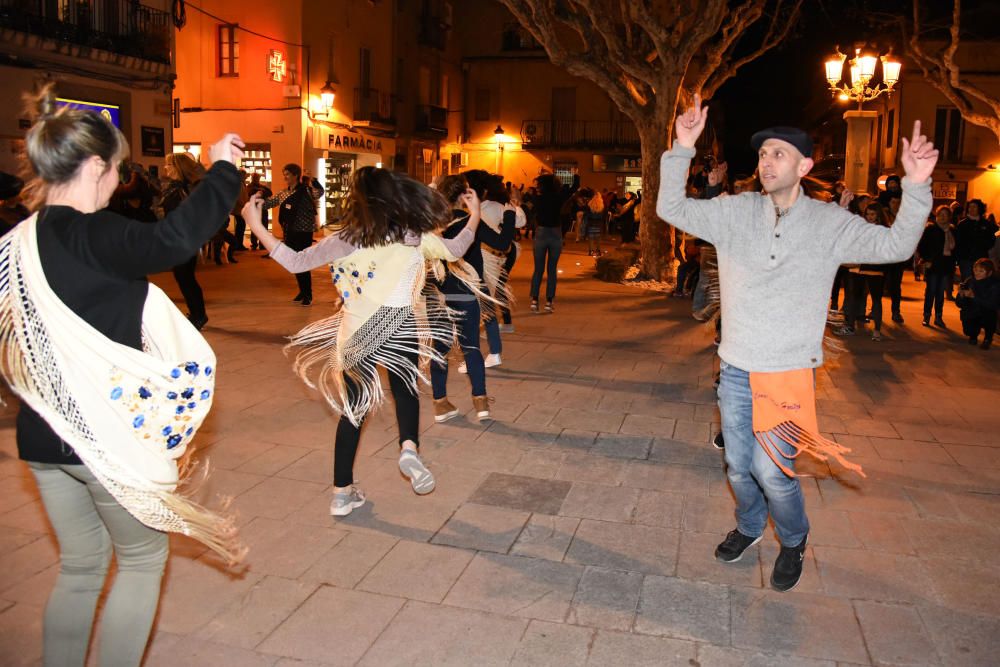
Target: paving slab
<point>417,571</point>
<point>553,644</point>
<point>334,625</point>
<point>895,634</point>
<point>545,537</point>
<point>482,527</point>
<point>521,493</point>
<point>516,586</point>
<point>812,626</point>
<point>425,634</point>
<point>606,599</point>
<point>251,618</point>
<point>621,649</point>
<point>684,609</point>
<point>617,546</point>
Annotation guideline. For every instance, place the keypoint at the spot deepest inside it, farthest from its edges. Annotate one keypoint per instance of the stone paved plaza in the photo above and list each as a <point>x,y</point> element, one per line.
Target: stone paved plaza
<point>578,528</point>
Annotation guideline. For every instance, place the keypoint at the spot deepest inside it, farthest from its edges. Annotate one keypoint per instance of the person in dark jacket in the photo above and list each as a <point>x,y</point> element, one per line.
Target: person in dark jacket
<point>265,192</point>
<point>979,299</point>
<point>297,217</point>
<point>974,237</point>
<point>548,240</point>
<point>96,263</point>
<point>183,174</point>
<point>463,303</point>
<point>937,254</point>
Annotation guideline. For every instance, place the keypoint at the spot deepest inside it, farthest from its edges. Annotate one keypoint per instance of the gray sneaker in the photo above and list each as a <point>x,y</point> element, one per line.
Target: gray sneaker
<point>420,477</point>
<point>506,328</point>
<point>346,502</point>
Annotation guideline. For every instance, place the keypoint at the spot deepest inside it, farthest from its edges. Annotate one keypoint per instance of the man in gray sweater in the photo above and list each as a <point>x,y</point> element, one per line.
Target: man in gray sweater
<point>778,252</point>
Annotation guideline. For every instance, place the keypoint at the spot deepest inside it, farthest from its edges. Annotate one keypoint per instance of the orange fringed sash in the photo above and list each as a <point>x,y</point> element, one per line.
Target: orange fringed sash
<point>784,406</point>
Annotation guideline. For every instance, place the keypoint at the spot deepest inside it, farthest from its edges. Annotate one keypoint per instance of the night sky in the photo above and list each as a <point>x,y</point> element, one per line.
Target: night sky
<point>787,86</point>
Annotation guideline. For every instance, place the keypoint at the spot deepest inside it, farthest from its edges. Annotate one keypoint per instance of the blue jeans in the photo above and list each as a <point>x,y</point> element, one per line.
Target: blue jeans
<point>759,485</point>
<point>492,328</point>
<point>548,245</point>
<point>467,326</point>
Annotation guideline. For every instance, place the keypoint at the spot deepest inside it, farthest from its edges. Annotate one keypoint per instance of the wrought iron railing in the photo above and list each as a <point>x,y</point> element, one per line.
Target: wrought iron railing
<point>119,26</point>
<point>548,133</point>
<point>374,106</point>
<point>430,118</point>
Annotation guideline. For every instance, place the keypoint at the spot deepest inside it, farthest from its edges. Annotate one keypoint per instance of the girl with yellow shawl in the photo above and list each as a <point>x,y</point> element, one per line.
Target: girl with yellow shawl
<point>378,259</point>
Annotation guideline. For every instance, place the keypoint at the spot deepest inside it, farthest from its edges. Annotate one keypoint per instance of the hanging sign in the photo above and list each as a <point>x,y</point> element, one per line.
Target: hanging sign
<point>110,112</point>
<point>629,164</point>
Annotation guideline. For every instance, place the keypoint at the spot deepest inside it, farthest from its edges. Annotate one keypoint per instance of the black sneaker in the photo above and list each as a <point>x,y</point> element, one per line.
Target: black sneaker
<point>718,441</point>
<point>732,548</point>
<point>788,567</point>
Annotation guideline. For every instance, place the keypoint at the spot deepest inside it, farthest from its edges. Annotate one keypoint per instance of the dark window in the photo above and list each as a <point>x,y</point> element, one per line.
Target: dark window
<point>482,104</point>
<point>949,129</point>
<point>229,51</point>
<point>366,68</point>
<point>890,132</point>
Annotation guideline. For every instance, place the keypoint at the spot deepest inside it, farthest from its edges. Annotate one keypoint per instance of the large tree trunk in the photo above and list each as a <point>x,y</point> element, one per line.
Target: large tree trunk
<point>655,234</point>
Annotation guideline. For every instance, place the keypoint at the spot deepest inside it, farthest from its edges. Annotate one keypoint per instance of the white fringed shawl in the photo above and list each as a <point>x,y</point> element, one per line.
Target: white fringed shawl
<point>128,414</point>
<point>386,320</point>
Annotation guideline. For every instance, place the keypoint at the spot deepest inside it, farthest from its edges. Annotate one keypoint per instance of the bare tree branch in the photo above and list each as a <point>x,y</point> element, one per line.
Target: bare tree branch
<point>780,25</point>
<point>640,52</point>
<point>942,71</point>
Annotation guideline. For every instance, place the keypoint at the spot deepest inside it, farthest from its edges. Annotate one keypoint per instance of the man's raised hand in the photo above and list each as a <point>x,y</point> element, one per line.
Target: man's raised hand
<point>919,156</point>
<point>689,125</point>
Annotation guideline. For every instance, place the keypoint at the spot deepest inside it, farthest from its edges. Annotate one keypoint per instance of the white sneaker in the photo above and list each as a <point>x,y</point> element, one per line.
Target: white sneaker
<point>463,368</point>
<point>346,502</point>
<point>491,361</point>
<point>420,477</point>
<point>506,328</point>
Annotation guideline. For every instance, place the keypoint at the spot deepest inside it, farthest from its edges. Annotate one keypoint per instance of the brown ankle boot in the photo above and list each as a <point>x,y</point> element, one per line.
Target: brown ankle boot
<point>444,410</point>
<point>482,406</point>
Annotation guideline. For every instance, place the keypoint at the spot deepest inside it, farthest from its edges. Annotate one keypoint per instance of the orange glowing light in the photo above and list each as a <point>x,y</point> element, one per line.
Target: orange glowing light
<point>277,67</point>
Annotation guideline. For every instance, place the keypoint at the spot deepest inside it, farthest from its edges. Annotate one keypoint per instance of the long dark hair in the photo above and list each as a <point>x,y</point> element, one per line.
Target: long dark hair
<point>452,187</point>
<point>488,186</point>
<point>382,206</point>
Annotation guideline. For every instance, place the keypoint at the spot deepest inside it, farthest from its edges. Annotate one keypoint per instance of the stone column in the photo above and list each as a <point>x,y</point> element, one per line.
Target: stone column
<point>859,143</point>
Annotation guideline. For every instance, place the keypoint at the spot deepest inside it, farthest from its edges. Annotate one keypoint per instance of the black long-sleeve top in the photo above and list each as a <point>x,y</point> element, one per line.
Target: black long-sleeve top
<point>97,263</point>
<point>451,286</point>
<point>985,299</point>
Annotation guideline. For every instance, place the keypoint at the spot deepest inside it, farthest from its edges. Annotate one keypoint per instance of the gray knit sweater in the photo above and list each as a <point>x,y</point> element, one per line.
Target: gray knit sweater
<point>775,275</point>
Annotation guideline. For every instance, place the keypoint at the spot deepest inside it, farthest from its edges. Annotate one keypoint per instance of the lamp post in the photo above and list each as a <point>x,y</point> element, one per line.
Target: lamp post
<point>859,122</point>
<point>498,134</point>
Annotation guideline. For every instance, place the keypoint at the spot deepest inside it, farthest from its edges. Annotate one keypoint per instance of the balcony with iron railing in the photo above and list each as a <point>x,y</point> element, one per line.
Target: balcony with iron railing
<point>119,26</point>
<point>432,120</point>
<point>374,107</point>
<point>579,134</point>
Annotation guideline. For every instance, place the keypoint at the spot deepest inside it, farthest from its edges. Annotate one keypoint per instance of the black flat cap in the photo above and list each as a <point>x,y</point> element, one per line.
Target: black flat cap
<point>792,135</point>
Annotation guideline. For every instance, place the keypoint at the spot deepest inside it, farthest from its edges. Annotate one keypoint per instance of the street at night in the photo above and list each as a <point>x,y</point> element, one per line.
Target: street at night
<point>499,332</point>
<point>580,524</point>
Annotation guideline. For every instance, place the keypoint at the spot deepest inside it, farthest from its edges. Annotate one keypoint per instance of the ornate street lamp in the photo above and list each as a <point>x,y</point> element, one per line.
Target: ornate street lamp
<point>862,73</point>
<point>860,122</point>
<point>327,94</point>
